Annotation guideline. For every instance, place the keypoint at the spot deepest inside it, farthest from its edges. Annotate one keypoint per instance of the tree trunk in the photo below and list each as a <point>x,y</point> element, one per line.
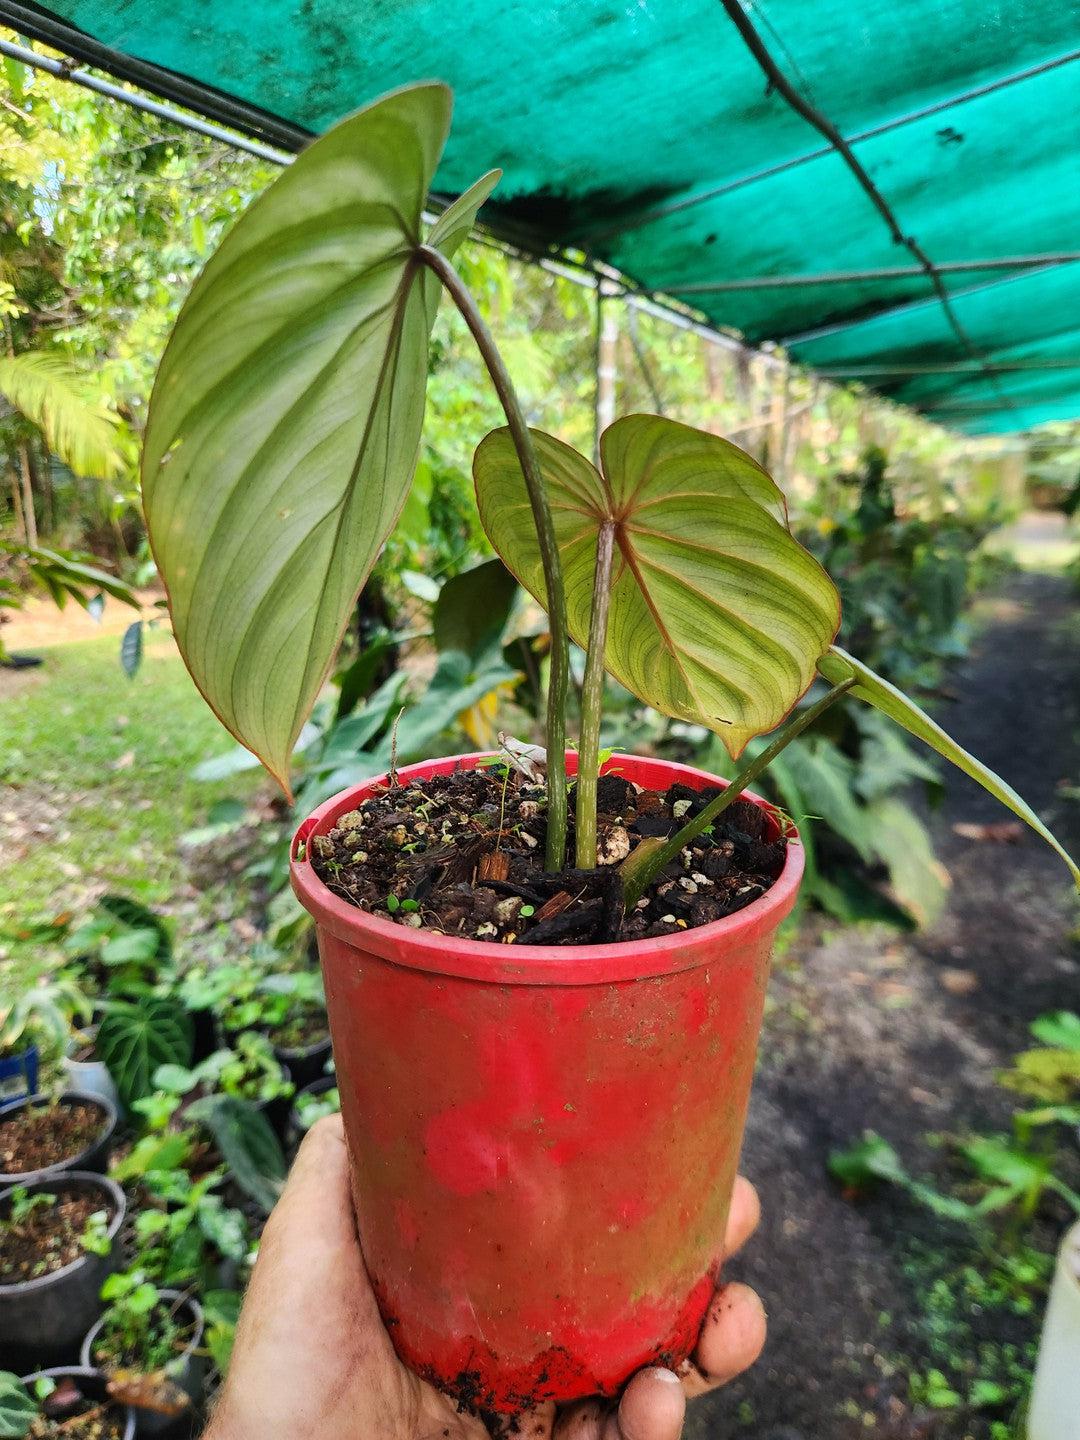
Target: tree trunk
<point>29,518</point>
<point>16,504</point>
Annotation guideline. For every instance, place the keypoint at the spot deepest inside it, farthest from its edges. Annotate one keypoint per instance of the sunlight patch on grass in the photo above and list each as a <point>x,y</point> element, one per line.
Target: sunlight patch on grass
<point>96,777</point>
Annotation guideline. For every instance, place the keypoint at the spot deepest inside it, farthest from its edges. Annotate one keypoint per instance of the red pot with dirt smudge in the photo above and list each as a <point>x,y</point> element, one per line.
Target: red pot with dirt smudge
<point>543,1138</point>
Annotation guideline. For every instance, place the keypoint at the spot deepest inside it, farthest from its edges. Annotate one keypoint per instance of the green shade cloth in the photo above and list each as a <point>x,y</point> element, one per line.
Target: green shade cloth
<point>605,115</point>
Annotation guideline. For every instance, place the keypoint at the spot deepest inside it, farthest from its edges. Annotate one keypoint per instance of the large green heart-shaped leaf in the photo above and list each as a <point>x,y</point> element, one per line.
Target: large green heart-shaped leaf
<point>718,616</point>
<point>285,421</point>
<point>838,666</point>
<point>136,1037</point>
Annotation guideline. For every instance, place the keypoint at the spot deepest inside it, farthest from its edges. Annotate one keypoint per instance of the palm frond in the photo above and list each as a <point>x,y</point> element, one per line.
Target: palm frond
<point>49,392</point>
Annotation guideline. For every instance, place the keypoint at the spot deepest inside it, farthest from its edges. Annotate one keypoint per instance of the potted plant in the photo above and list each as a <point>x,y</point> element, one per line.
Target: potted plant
<point>544,1129</point>
<point>151,1338</point>
<point>289,1007</point>
<point>34,1033</point>
<point>294,1020</point>
<point>45,1134</point>
<point>68,1403</point>
<point>247,1070</point>
<point>59,1244</point>
<point>316,1100</point>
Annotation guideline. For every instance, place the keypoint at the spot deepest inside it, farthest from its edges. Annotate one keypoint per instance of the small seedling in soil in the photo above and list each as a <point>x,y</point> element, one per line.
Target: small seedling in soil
<point>145,1332</point>
<point>670,560</point>
<point>37,1136</point>
<point>249,1070</point>
<point>55,1410</point>
<point>288,1006</point>
<point>310,1108</point>
<point>42,1232</point>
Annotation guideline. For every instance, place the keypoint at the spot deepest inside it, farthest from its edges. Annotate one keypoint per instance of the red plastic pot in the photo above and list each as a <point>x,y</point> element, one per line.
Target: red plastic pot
<point>543,1138</point>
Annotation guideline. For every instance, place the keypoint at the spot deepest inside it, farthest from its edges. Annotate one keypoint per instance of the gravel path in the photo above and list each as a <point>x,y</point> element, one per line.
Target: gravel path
<point>903,1034</point>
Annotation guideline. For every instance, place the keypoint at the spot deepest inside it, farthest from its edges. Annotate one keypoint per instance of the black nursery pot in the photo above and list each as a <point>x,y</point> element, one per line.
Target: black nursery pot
<point>43,1320</point>
<point>189,1371</point>
<point>205,1036</point>
<point>306,1064</point>
<point>95,1157</point>
<point>92,1385</point>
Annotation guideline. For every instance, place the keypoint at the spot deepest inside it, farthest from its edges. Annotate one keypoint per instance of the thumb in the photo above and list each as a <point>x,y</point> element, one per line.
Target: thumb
<point>653,1407</point>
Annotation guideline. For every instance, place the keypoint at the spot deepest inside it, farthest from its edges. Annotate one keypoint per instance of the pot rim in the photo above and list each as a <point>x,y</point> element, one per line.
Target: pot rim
<point>303,1052</point>
<point>110,1119</point>
<point>19,1288</point>
<point>165,1293</point>
<point>314,1087</point>
<point>540,964</point>
<point>83,1372</point>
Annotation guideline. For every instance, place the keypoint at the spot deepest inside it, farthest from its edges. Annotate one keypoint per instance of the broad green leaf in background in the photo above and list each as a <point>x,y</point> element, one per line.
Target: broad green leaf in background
<point>825,778</point>
<point>473,609</point>
<point>838,666</point>
<point>1061,1029</point>
<point>136,916</point>
<point>356,681</point>
<point>873,1160</point>
<point>718,616</point>
<point>222,1311</point>
<point>285,420</point>
<point>136,1037</point>
<point>918,880</point>
<point>17,1407</point>
<point>64,574</point>
<point>248,1145</point>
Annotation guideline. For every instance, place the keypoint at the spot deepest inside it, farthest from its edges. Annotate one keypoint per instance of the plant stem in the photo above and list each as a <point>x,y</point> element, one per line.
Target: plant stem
<point>639,877</point>
<point>592,702</point>
<point>549,550</point>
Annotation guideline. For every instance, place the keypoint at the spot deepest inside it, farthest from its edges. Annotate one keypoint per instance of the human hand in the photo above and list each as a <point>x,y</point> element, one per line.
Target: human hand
<point>313,1359</point>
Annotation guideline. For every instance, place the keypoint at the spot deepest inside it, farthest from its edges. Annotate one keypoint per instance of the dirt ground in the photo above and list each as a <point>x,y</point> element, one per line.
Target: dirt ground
<point>866,1032</point>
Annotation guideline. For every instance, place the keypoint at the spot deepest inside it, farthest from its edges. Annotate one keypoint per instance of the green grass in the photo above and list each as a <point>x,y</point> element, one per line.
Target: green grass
<point>102,764</point>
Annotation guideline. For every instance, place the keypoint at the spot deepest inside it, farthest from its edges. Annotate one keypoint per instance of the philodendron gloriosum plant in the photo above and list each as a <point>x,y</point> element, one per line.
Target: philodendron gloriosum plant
<point>283,436</point>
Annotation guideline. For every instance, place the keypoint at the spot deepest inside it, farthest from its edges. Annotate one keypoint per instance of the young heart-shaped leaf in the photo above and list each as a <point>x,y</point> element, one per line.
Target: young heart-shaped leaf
<point>838,666</point>
<point>718,615</point>
<point>285,420</point>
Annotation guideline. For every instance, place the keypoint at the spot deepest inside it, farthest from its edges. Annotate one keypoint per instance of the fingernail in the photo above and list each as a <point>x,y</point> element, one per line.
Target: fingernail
<point>667,1376</point>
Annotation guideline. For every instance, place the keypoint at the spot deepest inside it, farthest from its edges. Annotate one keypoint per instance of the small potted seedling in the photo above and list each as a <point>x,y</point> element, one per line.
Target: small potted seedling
<point>45,1134</point>
<point>287,1006</point>
<point>314,1102</point>
<point>185,1232</point>
<point>247,1070</point>
<point>68,1403</point>
<point>34,1034</point>
<point>294,1019</point>
<point>543,1048</point>
<point>148,1342</point>
<point>59,1244</point>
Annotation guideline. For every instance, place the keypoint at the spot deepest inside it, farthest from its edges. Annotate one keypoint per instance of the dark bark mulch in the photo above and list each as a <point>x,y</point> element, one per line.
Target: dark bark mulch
<point>462,854</point>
